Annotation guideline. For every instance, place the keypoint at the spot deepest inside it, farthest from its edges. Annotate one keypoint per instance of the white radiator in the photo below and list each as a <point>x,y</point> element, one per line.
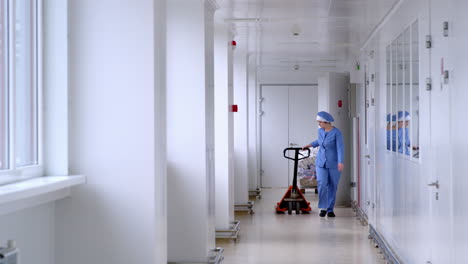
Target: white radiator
<point>9,254</point>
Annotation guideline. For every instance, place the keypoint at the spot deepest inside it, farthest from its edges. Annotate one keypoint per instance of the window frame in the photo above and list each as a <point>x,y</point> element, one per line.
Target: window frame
<point>14,173</point>
<point>391,85</point>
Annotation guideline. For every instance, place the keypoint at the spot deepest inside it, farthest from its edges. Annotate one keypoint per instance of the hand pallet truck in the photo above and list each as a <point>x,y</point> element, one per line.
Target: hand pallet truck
<point>293,199</point>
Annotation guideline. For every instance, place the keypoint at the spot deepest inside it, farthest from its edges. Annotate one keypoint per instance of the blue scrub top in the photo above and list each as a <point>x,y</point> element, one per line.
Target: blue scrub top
<point>400,141</point>
<point>331,150</point>
<point>393,140</point>
<point>389,141</point>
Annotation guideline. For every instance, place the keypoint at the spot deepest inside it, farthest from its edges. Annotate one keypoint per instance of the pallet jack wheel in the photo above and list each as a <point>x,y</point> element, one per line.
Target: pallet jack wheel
<point>290,206</point>
<point>298,207</point>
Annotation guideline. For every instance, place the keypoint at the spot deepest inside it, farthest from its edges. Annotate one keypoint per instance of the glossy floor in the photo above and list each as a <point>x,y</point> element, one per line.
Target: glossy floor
<point>267,237</point>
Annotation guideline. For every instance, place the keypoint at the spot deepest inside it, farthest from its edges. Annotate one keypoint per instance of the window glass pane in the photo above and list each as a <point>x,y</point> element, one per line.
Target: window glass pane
<point>26,103</point>
<point>400,94</point>
<point>415,89</point>
<point>394,93</point>
<point>389,97</point>
<point>405,114</point>
<point>4,149</point>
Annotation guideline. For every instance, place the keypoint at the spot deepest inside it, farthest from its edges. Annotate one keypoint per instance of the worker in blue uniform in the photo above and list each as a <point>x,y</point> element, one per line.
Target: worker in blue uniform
<point>329,162</point>
<point>403,123</point>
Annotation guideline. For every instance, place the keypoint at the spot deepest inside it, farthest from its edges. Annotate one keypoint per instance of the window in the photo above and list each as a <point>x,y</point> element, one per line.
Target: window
<point>19,89</point>
<point>402,69</point>
<point>4,149</point>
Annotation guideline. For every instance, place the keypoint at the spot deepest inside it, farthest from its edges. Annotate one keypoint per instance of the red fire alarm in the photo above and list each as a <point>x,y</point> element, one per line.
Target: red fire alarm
<point>233,108</point>
<point>340,103</point>
<point>234,43</point>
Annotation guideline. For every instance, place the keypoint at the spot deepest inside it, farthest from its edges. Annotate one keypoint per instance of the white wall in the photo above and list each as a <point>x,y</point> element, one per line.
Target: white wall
<point>160,131</point>
<point>458,127</point>
<point>266,76</point>
<point>112,138</point>
<point>190,130</point>
<point>33,231</point>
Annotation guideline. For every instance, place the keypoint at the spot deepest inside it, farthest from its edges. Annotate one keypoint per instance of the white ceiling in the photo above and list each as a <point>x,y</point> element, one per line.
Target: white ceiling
<point>331,30</point>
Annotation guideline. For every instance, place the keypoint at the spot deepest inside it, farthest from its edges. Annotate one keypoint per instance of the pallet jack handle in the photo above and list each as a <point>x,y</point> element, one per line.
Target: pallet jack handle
<point>296,156</point>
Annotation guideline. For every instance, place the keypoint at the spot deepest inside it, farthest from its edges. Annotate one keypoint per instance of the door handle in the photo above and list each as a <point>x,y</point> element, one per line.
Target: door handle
<point>292,144</point>
<point>367,156</point>
<point>434,184</point>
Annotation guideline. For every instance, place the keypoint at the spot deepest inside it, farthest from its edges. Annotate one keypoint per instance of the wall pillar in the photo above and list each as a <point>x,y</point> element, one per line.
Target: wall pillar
<point>190,130</point>
<point>241,142</point>
<point>224,124</point>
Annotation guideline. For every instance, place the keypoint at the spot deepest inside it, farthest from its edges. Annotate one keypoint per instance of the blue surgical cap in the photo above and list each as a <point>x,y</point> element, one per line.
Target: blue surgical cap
<point>403,116</point>
<point>388,117</point>
<point>324,117</point>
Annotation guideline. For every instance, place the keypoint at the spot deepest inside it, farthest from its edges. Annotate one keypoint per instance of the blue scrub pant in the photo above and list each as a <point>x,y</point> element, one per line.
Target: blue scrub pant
<point>327,181</point>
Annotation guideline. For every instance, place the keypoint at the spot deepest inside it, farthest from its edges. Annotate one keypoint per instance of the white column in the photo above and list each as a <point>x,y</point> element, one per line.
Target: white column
<point>112,137</point>
<point>241,123</point>
<point>224,137</point>
<point>190,130</point>
<point>160,132</point>
<point>252,121</point>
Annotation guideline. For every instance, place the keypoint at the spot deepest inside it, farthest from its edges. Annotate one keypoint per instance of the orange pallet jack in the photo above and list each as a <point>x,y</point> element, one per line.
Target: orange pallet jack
<point>293,199</point>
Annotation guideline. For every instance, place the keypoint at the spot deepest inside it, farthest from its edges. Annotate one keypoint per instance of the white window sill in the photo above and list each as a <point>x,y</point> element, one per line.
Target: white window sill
<point>36,191</point>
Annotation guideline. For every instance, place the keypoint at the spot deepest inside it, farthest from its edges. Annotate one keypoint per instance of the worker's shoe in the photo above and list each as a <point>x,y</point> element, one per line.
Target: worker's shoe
<point>322,213</point>
<point>331,214</point>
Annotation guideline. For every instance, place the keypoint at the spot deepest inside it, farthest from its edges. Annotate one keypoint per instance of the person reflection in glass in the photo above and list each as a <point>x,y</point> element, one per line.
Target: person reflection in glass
<point>389,128</point>
<point>392,127</point>
<point>403,125</point>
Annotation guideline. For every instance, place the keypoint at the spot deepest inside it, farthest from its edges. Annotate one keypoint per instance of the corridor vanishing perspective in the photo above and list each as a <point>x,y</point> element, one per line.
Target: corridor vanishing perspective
<point>136,131</point>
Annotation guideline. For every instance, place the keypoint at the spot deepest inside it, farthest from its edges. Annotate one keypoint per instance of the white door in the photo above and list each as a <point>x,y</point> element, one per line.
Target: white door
<point>370,123</point>
<point>303,110</point>
<point>288,114</point>
<point>274,120</point>
<point>440,181</point>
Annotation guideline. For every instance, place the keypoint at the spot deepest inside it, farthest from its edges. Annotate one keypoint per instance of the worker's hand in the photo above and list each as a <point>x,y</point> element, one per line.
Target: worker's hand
<point>305,147</point>
<point>340,166</point>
